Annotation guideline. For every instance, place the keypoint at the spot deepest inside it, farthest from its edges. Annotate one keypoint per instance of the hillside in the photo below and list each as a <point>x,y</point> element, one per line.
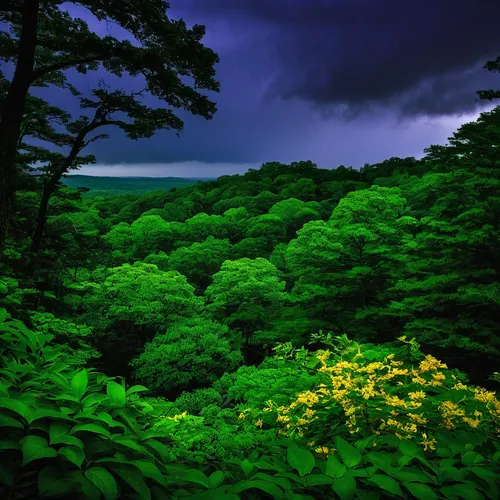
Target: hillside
<point>113,186</point>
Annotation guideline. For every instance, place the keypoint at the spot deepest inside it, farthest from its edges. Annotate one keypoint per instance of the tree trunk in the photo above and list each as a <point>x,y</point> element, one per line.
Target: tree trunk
<point>48,189</point>
<point>13,106</point>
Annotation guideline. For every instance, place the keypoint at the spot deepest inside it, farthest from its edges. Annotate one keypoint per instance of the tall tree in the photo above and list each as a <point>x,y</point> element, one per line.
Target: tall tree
<point>43,40</point>
<point>491,94</point>
<point>143,122</point>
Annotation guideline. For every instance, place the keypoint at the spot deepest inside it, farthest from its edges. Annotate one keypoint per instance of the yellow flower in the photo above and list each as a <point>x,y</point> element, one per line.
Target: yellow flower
<point>430,363</point>
<point>417,395</point>
<point>259,423</point>
<point>241,416</point>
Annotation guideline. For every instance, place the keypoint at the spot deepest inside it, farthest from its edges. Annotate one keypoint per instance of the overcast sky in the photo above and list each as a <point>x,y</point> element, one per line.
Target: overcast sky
<point>332,81</point>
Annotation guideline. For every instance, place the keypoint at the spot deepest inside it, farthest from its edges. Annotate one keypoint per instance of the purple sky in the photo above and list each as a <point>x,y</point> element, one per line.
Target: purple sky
<point>332,81</point>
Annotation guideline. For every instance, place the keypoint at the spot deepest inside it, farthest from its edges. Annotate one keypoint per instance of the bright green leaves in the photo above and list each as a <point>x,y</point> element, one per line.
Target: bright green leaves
<point>300,459</point>
<point>116,394</point>
<point>334,468</point>
<point>79,384</point>
<point>36,447</point>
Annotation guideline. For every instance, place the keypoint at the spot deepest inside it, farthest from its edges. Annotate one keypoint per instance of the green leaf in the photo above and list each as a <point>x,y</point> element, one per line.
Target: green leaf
<point>420,491</point>
<point>246,466</point>
<point>94,428</point>
<point>43,413</point>
<point>345,487</point>
<point>127,442</point>
<point>464,491</point>
<point>79,384</point>
<point>387,483</point>
<point>194,476</point>
<point>381,461</point>
<point>270,488</point>
<point>56,430</point>
<point>116,394</point>
<point>8,421</point>
<point>215,479</point>
<point>36,447</point>
<point>47,476</point>
<point>93,399</point>
<point>3,314</point>
<point>73,454</point>
<point>472,458</point>
<point>136,388</point>
<point>300,459</point>
<point>349,454</point>
<point>9,444</point>
<point>317,479</point>
<point>409,448</point>
<point>19,407</point>
<point>134,478</point>
<point>150,470</point>
<point>334,468</point>
<point>104,481</point>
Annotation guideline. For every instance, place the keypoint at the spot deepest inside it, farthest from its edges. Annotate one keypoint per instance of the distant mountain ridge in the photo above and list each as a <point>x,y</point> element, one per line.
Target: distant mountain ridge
<point>112,186</point>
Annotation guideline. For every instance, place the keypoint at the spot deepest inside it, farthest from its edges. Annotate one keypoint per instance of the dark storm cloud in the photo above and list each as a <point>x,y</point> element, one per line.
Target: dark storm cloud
<point>350,55</point>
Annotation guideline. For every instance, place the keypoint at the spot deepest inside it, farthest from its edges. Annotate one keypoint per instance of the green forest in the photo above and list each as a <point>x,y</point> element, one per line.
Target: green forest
<point>289,333</point>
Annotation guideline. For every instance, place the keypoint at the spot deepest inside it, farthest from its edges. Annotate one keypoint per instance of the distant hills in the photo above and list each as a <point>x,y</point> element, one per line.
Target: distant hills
<point>112,186</point>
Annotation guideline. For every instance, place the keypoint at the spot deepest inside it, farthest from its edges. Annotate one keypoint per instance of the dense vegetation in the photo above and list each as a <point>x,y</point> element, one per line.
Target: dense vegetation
<point>293,332</point>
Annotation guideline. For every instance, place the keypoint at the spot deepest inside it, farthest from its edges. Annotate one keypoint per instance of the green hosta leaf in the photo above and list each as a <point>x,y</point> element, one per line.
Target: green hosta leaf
<point>345,487</point>
<point>215,479</point>
<point>8,421</point>
<point>73,454</point>
<point>134,478</point>
<point>19,407</point>
<point>387,483</point>
<point>420,491</point>
<point>94,428</point>
<point>269,488</point>
<point>79,384</point>
<point>35,447</point>
<point>104,481</point>
<point>300,459</point>
<point>116,394</point>
<point>136,388</point>
<point>334,468</point>
<point>349,454</point>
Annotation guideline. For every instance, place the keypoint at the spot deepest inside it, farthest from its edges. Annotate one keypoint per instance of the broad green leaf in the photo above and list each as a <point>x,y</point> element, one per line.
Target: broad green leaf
<point>215,479</point>
<point>317,479</point>
<point>149,469</point>
<point>9,444</point>
<point>194,476</point>
<point>270,488</point>
<point>8,421</point>
<point>73,454</point>
<point>116,394</point>
<point>95,428</point>
<point>334,468</point>
<point>43,413</point>
<point>472,458</point>
<point>46,476</point>
<point>3,314</point>
<point>104,481</point>
<point>409,448</point>
<point>134,478</point>
<point>56,430</point>
<point>19,407</point>
<point>300,459</point>
<point>283,482</point>
<point>129,443</point>
<point>79,384</point>
<point>36,447</point>
<point>136,388</point>
<point>464,491</point>
<point>345,487</point>
<point>349,454</point>
<point>94,399</point>
<point>387,483</point>
<point>380,460</point>
<point>420,491</point>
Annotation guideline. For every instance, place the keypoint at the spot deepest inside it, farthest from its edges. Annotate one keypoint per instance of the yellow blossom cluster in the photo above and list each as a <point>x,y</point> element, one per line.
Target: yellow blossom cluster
<point>373,396</point>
